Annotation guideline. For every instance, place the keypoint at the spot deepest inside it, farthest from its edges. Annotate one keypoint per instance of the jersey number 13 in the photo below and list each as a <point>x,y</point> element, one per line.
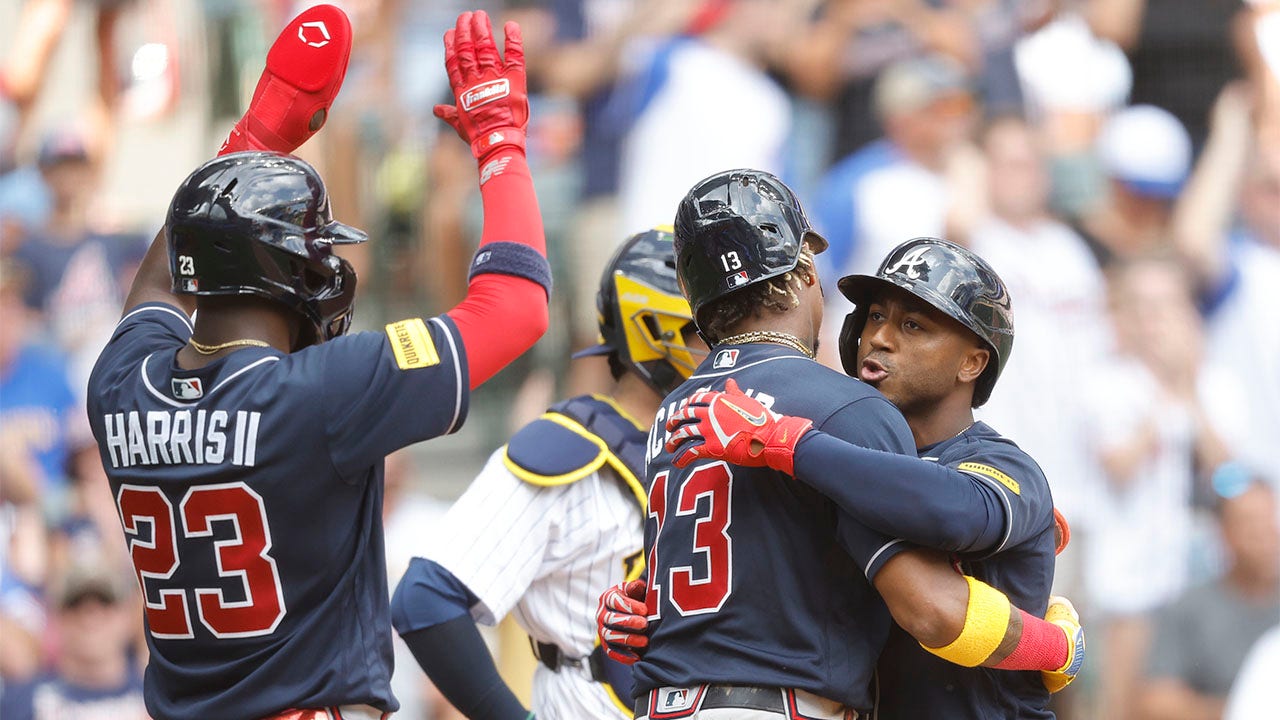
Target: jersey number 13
<point>712,546</point>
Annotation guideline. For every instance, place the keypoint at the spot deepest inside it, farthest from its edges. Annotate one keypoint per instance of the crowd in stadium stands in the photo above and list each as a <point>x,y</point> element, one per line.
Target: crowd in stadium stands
<point>1116,161</point>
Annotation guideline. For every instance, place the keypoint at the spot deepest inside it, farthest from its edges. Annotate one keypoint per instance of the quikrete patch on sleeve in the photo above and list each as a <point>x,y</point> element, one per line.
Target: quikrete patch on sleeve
<point>980,469</point>
<point>412,344</point>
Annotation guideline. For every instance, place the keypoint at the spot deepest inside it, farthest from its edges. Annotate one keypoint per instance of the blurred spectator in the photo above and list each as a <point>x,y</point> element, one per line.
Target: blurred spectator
<point>1200,641</point>
<point>1253,697</point>
<point>35,402</point>
<point>1258,37</point>
<point>22,623</point>
<point>94,677</point>
<point>584,61</point>
<point>77,272</point>
<point>1059,299</point>
<point>896,187</point>
<point>1227,228</point>
<point>1145,156</point>
<point>1181,52</point>
<point>705,104</point>
<point>1157,419</point>
<point>1072,81</point>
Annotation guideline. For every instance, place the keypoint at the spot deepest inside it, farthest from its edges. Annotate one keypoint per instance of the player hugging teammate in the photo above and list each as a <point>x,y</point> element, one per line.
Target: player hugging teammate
<point>790,517</point>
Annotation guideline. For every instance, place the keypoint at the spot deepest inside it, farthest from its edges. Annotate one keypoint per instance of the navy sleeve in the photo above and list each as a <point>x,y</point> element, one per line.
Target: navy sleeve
<point>1021,487</point>
<point>906,497</point>
<point>386,390</point>
<point>146,329</point>
<point>868,548</point>
<point>871,422</point>
<point>428,595</point>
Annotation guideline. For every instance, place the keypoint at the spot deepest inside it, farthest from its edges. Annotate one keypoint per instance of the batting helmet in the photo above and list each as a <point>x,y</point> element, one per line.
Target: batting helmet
<point>258,223</point>
<point>951,279</point>
<point>735,229</point>
<point>642,313</point>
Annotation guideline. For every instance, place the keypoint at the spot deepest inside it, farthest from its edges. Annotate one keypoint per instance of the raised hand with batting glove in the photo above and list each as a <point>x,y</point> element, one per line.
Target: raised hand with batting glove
<point>492,109</point>
<point>621,621</point>
<point>733,426</point>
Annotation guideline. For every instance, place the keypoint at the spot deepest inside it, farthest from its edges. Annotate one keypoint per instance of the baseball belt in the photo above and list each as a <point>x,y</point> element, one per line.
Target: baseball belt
<point>674,703</point>
<point>554,658</point>
<point>346,712</point>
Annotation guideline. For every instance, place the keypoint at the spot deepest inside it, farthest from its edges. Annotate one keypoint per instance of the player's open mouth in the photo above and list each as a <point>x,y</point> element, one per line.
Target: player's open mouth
<point>872,372</point>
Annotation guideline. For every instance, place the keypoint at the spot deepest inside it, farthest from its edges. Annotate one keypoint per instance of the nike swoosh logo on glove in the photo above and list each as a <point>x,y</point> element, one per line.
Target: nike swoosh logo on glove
<point>756,420</point>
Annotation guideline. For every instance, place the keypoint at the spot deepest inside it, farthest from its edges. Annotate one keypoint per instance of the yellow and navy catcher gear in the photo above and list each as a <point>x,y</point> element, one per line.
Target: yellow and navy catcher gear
<point>735,229</point>
<point>951,279</point>
<point>642,314</point>
<point>258,223</point>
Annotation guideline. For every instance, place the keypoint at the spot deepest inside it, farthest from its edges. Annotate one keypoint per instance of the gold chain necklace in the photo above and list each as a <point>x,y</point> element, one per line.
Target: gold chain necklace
<point>772,336</point>
<point>211,349</point>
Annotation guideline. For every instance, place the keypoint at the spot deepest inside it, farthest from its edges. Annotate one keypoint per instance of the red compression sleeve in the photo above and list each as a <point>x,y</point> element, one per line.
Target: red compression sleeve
<point>503,315</point>
<point>1043,646</point>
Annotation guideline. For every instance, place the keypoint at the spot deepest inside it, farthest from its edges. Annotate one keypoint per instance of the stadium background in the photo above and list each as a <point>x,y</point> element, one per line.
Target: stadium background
<point>1137,243</point>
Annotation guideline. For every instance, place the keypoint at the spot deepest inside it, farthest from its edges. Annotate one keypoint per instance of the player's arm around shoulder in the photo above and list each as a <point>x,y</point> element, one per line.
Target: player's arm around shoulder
<point>1026,503</point>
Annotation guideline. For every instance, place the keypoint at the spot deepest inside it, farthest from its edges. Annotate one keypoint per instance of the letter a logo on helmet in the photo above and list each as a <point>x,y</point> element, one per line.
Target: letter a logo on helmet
<point>908,264</point>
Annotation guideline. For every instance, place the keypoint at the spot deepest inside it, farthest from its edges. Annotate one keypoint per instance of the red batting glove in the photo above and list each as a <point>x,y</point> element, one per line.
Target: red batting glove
<point>492,109</point>
<point>305,69</point>
<point>622,620</point>
<point>732,426</point>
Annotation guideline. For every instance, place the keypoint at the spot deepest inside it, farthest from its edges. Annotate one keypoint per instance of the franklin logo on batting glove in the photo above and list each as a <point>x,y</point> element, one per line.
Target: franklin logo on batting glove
<point>485,93</point>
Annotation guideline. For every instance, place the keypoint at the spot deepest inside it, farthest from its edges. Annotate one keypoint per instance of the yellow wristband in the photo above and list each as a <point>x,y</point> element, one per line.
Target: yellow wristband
<point>986,621</point>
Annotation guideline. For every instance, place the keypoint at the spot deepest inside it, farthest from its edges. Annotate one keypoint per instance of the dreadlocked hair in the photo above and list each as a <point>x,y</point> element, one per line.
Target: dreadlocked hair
<point>777,294</point>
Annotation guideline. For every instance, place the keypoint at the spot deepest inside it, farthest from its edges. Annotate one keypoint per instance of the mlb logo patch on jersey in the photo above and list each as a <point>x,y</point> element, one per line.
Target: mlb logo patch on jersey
<point>726,358</point>
<point>187,388</point>
<point>674,702</point>
<point>738,279</point>
<point>412,344</point>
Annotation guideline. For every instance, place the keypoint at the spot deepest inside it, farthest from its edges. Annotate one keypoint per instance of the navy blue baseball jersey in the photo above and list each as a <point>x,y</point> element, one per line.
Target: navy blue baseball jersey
<point>250,493</point>
<point>748,581</point>
<point>913,683</point>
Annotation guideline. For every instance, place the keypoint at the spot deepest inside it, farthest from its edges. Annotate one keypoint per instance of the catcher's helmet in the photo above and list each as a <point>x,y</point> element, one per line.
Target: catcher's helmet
<point>948,277</point>
<point>735,229</point>
<point>258,223</point>
<point>642,313</point>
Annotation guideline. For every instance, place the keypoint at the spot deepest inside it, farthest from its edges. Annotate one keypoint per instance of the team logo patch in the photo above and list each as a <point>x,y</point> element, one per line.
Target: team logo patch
<point>738,279</point>
<point>992,473</point>
<point>726,358</point>
<point>910,263</point>
<point>412,344</point>
<point>187,388</point>
<point>485,93</point>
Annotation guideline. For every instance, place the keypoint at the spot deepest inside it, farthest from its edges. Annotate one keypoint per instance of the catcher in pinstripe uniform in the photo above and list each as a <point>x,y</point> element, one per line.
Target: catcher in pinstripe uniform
<point>556,514</point>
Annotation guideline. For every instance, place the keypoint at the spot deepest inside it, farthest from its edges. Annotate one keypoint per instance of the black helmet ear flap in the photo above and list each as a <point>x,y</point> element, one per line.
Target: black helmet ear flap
<point>850,334</point>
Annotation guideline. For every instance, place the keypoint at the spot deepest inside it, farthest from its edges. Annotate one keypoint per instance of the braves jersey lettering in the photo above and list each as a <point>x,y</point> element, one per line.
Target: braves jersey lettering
<point>252,513</point>
<point>181,437</point>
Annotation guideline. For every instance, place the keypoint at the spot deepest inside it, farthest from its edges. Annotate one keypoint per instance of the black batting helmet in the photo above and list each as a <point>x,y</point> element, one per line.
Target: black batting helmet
<point>735,229</point>
<point>642,313</point>
<point>258,223</point>
<point>948,277</point>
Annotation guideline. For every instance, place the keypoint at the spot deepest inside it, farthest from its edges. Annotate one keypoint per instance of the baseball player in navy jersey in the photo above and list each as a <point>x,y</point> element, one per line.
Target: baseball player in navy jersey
<point>720,532</point>
<point>245,450</point>
<point>555,515</point>
<point>932,330</point>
